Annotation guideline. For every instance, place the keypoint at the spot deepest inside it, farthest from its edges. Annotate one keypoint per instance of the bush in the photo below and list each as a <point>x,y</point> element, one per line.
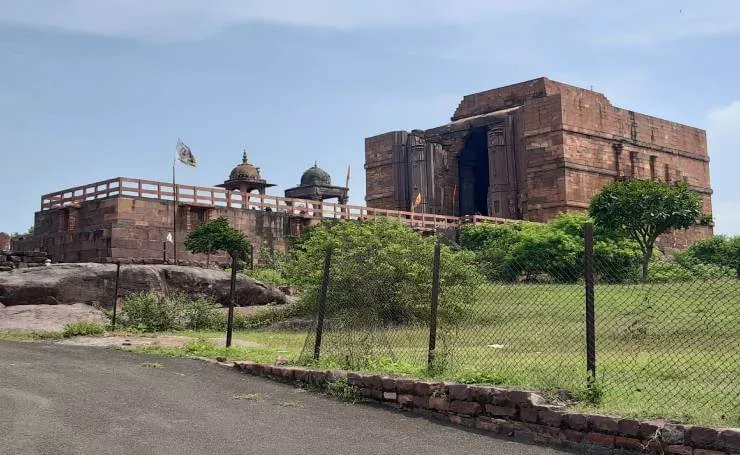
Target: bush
<point>202,314</point>
<point>74,329</point>
<point>717,250</point>
<point>550,251</point>
<point>381,271</point>
<point>154,313</point>
<point>267,276</point>
<point>661,271</point>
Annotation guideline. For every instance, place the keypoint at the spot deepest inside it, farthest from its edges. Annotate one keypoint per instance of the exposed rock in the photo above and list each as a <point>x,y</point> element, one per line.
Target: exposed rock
<point>95,283</point>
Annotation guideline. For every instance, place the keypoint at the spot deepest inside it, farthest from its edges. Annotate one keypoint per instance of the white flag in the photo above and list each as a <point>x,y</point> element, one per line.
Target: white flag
<point>169,237</point>
<point>184,154</point>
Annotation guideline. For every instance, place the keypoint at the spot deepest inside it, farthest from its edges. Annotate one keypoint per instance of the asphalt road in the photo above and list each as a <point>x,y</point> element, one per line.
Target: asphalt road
<point>79,400</point>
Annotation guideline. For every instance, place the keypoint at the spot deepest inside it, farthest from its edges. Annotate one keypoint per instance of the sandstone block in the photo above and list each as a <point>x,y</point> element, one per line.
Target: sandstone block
<point>729,439</point>
<point>680,450</point>
<point>470,408</point>
<point>528,414</point>
<point>601,439</point>
<point>458,391</point>
<point>701,437</point>
<point>501,411</point>
<point>603,424</point>
<point>575,421</point>
<point>439,403</point>
<point>551,418</point>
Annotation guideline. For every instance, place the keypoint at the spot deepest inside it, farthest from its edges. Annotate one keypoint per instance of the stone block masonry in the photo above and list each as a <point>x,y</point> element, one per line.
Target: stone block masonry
<point>517,414</point>
<point>122,228</point>
<point>532,150</point>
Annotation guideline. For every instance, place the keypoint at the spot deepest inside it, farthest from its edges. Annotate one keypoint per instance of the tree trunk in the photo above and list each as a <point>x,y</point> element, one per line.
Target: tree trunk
<point>646,256</point>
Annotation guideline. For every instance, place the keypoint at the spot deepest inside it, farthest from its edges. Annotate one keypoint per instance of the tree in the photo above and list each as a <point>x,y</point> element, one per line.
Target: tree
<point>217,235</point>
<point>645,209</point>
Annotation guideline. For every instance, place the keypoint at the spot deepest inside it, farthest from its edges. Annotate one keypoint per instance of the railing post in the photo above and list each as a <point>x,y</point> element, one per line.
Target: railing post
<point>433,310</point>
<point>322,304</point>
<point>590,304</point>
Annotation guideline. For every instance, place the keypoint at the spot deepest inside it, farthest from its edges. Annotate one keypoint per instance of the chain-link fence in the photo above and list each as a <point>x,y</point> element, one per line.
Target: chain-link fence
<point>577,327</point>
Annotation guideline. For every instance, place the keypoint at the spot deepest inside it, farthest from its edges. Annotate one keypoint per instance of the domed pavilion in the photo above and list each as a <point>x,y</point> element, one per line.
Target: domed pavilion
<point>316,186</point>
<point>245,178</point>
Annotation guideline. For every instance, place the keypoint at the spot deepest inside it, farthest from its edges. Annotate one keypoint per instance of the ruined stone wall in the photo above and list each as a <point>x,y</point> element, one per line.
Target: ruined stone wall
<point>380,187</point>
<point>131,228</point>
<point>500,98</point>
<point>543,194</point>
<point>603,142</point>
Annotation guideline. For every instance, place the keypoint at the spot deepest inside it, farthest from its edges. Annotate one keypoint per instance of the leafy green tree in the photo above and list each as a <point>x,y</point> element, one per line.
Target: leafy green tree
<point>645,209</point>
<point>381,272</point>
<point>217,235</point>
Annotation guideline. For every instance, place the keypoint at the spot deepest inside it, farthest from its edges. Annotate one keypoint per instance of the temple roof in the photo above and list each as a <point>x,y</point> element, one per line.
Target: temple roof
<point>315,176</point>
<point>245,170</point>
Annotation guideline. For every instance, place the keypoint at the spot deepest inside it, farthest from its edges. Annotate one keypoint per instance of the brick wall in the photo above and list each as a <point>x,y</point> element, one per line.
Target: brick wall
<point>518,414</point>
<point>131,228</point>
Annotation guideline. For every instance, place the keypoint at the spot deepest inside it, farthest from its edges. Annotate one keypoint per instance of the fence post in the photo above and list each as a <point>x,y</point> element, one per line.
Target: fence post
<point>590,307</point>
<point>115,295</point>
<point>322,304</point>
<point>434,306</point>
<point>230,318</point>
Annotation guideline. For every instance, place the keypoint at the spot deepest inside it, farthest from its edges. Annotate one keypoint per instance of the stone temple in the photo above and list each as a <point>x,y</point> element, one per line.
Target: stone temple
<point>522,152</point>
<point>529,151</point>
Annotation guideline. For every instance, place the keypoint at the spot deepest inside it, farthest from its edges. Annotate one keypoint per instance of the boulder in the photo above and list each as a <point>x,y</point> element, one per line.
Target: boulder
<point>95,284</point>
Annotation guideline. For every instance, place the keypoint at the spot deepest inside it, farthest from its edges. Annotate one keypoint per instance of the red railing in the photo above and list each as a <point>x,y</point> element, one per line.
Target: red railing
<point>218,197</point>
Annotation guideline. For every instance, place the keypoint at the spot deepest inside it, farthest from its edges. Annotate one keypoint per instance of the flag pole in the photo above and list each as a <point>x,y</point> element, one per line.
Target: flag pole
<point>174,207</point>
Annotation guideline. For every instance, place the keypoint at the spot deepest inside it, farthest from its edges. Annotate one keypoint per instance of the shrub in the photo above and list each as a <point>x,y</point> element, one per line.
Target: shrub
<point>74,329</point>
<point>381,271</point>
<point>267,276</point>
<point>550,251</point>
<point>202,314</point>
<point>154,313</point>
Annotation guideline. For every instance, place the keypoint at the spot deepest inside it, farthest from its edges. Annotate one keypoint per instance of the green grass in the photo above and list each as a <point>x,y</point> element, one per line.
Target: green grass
<point>663,350</point>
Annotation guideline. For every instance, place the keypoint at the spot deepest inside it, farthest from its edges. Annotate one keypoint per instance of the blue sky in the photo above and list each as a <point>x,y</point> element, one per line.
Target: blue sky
<point>93,89</point>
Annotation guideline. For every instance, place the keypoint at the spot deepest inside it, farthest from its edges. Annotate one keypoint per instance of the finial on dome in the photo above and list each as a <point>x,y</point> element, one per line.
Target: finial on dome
<point>315,164</point>
<point>244,156</point>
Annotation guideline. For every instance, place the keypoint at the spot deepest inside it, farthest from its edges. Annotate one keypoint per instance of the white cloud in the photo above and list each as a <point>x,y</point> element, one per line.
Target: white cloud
<point>187,19</point>
<point>723,133</point>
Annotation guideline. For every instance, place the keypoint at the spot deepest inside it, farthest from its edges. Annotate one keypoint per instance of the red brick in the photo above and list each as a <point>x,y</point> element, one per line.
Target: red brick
<point>406,399</point>
<point>439,403</point>
<point>528,414</point>
<point>600,439</point>
<point>501,411</point>
<point>470,408</point>
<point>458,391</point>
<point>701,437</point>
<point>628,443</point>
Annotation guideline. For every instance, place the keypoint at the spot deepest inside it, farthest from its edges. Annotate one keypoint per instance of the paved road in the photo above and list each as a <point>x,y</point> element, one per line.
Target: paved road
<point>78,400</point>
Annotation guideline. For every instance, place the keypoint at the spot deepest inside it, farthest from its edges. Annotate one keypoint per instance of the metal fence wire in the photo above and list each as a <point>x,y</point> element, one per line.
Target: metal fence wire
<point>571,327</point>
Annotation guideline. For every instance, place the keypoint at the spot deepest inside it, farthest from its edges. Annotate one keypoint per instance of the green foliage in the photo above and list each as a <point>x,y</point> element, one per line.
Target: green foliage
<point>548,251</point>
<point>267,276</point>
<point>217,235</point>
<point>74,329</point>
<point>380,272</point>
<point>718,250</point>
<point>645,209</point>
<point>201,314</point>
<point>344,391</point>
<point>153,313</point>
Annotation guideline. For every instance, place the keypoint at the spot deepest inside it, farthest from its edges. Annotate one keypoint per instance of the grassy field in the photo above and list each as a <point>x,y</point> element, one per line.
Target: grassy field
<point>663,350</point>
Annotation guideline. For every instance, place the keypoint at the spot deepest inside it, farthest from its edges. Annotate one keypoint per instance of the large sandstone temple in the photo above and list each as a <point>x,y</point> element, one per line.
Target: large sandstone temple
<point>529,151</point>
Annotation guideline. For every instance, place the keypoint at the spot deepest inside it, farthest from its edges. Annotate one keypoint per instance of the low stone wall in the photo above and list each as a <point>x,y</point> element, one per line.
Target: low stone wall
<point>22,260</point>
<point>522,415</point>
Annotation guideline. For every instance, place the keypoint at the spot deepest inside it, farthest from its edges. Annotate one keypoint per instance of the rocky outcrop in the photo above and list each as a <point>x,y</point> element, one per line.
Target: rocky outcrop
<point>95,284</point>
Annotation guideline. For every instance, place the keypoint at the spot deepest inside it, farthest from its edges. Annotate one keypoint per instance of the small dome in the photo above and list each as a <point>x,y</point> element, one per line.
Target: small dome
<point>245,171</point>
<point>315,176</point>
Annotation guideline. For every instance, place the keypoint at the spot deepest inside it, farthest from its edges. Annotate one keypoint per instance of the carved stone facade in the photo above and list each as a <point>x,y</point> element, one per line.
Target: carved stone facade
<point>530,151</point>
